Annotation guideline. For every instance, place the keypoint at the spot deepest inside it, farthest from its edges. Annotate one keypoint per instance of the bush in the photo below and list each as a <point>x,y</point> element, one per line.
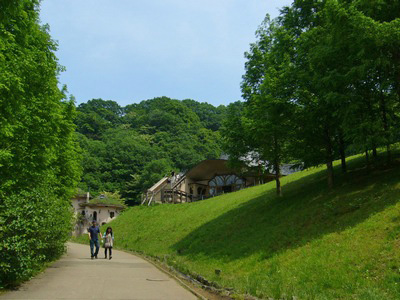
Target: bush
<point>34,227</point>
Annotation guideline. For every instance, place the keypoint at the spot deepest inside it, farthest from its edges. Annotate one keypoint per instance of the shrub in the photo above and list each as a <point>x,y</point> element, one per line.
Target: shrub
<point>34,226</point>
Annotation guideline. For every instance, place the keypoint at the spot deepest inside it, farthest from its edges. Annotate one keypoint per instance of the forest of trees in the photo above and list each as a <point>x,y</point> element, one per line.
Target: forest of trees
<point>128,149</point>
<point>322,81</point>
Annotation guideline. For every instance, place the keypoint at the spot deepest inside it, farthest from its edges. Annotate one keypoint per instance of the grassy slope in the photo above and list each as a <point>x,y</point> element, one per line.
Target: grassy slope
<point>311,243</point>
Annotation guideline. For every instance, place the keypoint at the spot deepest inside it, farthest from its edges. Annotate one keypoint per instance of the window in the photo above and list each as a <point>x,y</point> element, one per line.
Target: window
<point>94,216</point>
<point>225,184</point>
<point>83,212</point>
<point>112,214</point>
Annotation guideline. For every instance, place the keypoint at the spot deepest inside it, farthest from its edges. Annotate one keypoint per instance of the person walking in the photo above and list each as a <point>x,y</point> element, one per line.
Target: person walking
<point>94,237</point>
<point>108,242</point>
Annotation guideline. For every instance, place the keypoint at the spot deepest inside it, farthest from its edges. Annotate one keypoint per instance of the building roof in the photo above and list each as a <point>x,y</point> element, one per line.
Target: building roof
<point>101,205</point>
<point>104,201</point>
<point>159,184</point>
<point>207,169</point>
<point>287,169</point>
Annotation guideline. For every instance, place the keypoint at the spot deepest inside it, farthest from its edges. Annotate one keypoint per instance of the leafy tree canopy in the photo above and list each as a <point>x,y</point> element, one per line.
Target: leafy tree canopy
<point>128,149</point>
<point>39,161</point>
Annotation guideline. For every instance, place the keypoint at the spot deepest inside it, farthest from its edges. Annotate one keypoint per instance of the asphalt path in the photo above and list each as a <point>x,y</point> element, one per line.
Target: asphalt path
<point>76,276</point>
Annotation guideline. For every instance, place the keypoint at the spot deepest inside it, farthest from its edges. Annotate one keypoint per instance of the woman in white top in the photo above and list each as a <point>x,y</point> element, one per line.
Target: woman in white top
<point>108,242</point>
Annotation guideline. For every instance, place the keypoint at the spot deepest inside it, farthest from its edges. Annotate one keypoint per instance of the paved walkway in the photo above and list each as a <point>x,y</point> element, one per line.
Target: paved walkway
<point>76,276</point>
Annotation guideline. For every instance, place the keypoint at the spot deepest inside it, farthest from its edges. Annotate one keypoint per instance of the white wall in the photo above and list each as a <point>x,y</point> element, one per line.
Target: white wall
<point>103,213</point>
<point>103,216</point>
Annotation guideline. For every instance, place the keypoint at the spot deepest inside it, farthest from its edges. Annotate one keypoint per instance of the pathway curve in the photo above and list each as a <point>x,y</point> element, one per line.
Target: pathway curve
<point>76,276</point>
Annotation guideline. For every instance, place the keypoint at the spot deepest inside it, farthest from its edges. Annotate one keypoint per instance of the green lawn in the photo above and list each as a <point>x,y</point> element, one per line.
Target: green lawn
<point>311,243</point>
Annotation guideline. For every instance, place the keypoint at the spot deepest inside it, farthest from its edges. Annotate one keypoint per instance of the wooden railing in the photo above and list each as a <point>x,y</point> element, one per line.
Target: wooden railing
<point>175,196</point>
<point>178,196</point>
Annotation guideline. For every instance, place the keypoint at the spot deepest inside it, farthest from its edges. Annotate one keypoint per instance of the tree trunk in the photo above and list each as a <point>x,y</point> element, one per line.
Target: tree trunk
<point>388,152</point>
<point>367,159</point>
<point>277,179</point>
<point>277,167</point>
<point>372,117</point>
<point>260,175</point>
<point>397,82</point>
<point>342,152</point>
<point>329,158</point>
<point>374,152</point>
<point>329,168</point>
<point>382,106</point>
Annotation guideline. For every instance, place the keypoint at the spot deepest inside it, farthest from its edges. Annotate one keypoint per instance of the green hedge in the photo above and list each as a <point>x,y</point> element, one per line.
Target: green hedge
<point>39,160</point>
<point>34,227</point>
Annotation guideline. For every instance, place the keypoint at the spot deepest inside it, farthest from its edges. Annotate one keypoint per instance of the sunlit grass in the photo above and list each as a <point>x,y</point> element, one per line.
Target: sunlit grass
<point>312,243</point>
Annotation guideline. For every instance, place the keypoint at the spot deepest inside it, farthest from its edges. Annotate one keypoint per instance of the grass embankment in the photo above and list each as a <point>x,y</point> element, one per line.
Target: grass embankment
<point>311,243</point>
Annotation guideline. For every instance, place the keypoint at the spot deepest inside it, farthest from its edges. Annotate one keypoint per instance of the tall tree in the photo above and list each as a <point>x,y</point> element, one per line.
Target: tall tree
<point>38,155</point>
<point>267,88</point>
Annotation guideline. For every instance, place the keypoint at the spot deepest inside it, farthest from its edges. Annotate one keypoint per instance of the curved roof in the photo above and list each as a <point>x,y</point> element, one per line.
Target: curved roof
<point>207,169</point>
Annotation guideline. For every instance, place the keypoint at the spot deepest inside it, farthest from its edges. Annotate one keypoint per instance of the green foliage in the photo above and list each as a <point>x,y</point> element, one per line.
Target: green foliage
<point>210,116</point>
<point>163,114</point>
<point>321,80</point>
<point>235,139</point>
<point>108,198</point>
<point>36,123</point>
<point>151,173</point>
<point>34,226</point>
<point>140,143</point>
<point>311,243</point>
<point>96,116</point>
<point>39,164</point>
<point>109,163</point>
<point>269,108</point>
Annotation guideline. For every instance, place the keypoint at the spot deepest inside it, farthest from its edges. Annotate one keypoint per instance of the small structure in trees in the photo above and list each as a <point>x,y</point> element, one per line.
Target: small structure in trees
<point>102,209</point>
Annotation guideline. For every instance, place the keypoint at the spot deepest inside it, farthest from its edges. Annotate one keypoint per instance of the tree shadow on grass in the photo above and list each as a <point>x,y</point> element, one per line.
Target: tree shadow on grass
<point>269,224</point>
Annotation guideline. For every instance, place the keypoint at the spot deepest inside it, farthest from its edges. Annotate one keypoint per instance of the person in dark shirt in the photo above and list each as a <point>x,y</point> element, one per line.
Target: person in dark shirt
<point>94,237</point>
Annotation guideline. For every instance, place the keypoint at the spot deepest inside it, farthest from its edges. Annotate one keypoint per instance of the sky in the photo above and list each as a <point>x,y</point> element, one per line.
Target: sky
<point>134,50</point>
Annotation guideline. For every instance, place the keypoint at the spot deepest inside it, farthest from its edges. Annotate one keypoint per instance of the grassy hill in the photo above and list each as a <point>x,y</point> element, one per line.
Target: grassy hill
<point>311,243</point>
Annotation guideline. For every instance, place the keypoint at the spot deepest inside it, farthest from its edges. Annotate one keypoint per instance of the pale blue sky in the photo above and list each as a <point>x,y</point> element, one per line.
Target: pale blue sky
<point>133,50</point>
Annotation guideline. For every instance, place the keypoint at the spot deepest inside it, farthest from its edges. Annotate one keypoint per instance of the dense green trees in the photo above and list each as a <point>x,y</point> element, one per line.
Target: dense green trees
<point>211,117</point>
<point>129,149</point>
<point>108,163</point>
<point>322,80</point>
<point>96,116</point>
<point>39,164</point>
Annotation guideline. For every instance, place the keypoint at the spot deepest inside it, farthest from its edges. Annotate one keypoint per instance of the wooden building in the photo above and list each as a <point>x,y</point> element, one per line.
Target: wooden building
<point>207,179</point>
